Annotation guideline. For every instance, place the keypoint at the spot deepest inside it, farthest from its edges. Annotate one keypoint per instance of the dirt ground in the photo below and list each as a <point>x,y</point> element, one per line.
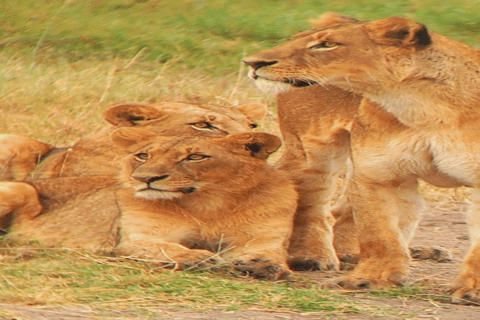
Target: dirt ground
<point>443,224</point>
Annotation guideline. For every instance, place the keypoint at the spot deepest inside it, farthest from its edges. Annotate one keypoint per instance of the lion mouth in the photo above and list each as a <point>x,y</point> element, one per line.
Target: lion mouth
<point>288,81</point>
<point>150,193</point>
<point>278,86</point>
<point>300,83</point>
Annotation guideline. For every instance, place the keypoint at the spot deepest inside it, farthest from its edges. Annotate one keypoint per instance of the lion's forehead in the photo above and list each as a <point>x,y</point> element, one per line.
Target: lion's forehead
<point>185,146</point>
<point>203,110</point>
<point>324,30</point>
<point>227,119</point>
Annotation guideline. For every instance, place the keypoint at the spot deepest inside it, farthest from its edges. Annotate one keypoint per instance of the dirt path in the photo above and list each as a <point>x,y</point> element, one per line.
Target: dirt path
<point>443,224</point>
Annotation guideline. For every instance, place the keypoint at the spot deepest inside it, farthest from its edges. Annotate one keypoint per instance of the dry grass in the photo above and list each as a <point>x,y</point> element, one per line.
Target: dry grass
<point>62,101</point>
<point>39,276</point>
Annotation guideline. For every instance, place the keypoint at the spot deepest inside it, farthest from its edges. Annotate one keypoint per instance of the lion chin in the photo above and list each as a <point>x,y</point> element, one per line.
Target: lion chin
<point>150,194</point>
<point>269,86</point>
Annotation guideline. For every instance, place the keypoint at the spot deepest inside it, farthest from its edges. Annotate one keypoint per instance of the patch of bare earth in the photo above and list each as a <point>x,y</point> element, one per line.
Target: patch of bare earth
<point>443,224</point>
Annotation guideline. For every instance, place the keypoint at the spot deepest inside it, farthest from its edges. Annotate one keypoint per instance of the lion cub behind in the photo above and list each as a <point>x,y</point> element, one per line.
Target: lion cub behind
<point>192,201</point>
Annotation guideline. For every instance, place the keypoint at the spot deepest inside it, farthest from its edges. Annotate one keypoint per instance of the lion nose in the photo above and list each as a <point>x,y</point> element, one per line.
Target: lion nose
<point>149,179</point>
<point>257,63</point>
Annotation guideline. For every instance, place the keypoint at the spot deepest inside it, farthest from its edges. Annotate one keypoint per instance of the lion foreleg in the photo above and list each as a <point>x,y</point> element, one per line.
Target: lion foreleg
<point>149,235</point>
<point>311,245</point>
<point>168,254</point>
<point>466,287</point>
<point>345,238</point>
<point>385,215</point>
<point>18,202</point>
<point>263,257</point>
<point>19,156</point>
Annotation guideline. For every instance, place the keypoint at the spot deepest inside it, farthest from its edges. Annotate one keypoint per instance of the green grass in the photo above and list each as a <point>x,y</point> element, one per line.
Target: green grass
<point>212,35</point>
<point>39,276</point>
<point>60,60</point>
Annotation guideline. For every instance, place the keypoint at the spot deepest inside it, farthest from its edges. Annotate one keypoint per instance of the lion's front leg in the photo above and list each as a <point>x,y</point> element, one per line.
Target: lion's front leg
<point>149,235</point>
<point>260,249</point>
<point>386,215</point>
<point>19,202</point>
<point>466,288</point>
<point>262,262</point>
<point>345,238</point>
<point>19,155</point>
<point>174,255</point>
<point>311,245</point>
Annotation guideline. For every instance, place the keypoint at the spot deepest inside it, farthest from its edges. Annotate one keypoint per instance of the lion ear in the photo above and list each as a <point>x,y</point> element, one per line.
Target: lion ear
<point>260,144</point>
<point>128,114</point>
<point>398,31</point>
<point>330,19</point>
<point>132,139</point>
<point>254,111</point>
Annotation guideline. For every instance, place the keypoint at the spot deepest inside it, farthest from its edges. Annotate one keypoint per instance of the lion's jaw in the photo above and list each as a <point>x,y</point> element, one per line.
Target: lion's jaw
<point>157,191</point>
<point>268,84</point>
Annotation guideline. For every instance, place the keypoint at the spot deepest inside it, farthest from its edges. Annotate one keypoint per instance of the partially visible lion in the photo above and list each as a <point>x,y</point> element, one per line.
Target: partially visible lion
<point>19,155</point>
<point>95,155</point>
<point>188,201</point>
<point>67,178</point>
<point>315,123</point>
<point>419,118</point>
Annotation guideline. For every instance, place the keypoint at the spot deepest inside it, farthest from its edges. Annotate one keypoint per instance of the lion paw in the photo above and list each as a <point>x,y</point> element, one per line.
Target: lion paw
<point>262,268</point>
<point>373,276</point>
<point>431,253</point>
<point>359,283</point>
<point>313,263</point>
<point>466,290</point>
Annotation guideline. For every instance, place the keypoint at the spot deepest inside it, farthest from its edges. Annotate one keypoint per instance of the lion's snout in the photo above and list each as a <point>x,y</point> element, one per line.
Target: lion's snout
<point>149,178</point>
<point>256,63</point>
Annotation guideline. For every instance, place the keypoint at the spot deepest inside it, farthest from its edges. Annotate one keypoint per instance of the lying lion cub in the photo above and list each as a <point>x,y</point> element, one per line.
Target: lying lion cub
<point>419,119</point>
<point>193,200</point>
<point>72,181</point>
<point>95,154</point>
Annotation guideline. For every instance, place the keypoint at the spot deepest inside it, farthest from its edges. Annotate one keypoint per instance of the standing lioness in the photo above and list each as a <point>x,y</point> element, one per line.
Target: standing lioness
<point>419,119</point>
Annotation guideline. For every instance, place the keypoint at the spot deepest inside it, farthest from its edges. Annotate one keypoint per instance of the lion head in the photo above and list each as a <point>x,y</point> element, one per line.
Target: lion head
<point>173,118</point>
<point>96,155</point>
<point>344,52</point>
<point>163,167</point>
<point>184,198</point>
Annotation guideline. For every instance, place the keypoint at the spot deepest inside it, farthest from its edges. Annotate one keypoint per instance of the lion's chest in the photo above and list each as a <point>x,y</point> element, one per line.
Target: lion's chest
<point>445,154</point>
<point>457,154</point>
<point>444,159</point>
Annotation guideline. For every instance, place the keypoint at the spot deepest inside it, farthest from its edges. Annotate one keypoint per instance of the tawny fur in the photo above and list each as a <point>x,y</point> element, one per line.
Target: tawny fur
<point>19,155</point>
<point>225,203</point>
<point>419,119</point>
<point>76,185</point>
<point>95,154</point>
<point>223,198</point>
<point>315,123</point>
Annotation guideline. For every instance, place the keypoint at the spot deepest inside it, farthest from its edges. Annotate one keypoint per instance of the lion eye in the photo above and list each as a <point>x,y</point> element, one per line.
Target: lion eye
<point>142,156</point>
<point>325,45</point>
<point>253,125</point>
<point>197,157</point>
<point>203,125</point>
